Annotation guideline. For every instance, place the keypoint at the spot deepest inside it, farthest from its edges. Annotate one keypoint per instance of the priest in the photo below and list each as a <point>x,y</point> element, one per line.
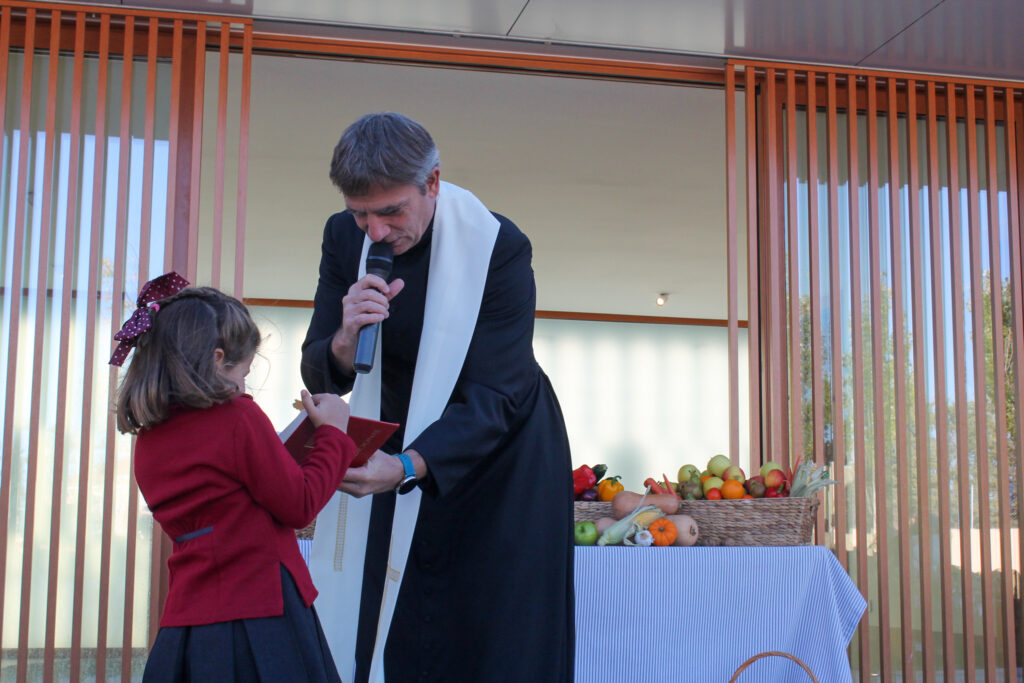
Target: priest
<point>449,555</point>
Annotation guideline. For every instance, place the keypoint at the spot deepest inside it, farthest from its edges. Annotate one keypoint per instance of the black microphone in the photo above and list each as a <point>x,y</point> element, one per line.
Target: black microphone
<point>378,262</point>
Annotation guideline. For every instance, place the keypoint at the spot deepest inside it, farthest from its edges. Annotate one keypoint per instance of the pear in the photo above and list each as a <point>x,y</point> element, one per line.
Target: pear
<point>688,472</point>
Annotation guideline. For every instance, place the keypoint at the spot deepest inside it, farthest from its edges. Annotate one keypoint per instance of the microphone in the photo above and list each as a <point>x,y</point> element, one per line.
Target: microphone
<point>378,262</point>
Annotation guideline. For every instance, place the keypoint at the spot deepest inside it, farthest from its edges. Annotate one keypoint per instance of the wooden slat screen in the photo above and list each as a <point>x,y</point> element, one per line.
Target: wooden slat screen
<point>890,303</point>
<point>105,182</point>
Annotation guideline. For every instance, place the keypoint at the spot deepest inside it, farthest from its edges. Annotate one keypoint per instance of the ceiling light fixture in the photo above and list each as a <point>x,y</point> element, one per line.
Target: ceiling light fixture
<point>662,298</point>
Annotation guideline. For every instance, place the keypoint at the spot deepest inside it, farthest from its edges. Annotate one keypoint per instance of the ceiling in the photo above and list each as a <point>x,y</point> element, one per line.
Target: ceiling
<point>980,38</point>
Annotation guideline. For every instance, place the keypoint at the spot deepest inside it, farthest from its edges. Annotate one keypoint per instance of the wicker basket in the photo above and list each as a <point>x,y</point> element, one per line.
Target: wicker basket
<point>761,521</point>
<point>306,533</point>
<point>774,653</point>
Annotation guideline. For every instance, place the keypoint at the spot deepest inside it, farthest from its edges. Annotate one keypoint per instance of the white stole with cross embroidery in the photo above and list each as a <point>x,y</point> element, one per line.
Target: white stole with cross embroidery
<point>460,254</point>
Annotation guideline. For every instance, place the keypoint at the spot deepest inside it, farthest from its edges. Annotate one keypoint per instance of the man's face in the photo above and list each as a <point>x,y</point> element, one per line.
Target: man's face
<point>397,215</point>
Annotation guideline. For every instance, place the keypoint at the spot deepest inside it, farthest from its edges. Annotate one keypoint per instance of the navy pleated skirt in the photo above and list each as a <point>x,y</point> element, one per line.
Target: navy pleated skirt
<point>290,647</point>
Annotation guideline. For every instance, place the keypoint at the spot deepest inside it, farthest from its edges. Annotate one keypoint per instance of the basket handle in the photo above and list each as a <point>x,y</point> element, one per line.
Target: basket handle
<point>772,653</point>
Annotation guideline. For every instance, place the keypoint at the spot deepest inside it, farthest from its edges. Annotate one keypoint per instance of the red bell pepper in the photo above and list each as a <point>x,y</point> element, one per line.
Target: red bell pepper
<point>583,478</point>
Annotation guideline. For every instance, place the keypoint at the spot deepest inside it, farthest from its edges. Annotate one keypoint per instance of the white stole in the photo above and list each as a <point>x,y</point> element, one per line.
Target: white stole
<point>460,254</point>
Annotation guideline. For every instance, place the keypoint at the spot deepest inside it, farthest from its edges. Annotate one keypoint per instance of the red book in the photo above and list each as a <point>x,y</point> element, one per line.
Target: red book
<point>369,435</point>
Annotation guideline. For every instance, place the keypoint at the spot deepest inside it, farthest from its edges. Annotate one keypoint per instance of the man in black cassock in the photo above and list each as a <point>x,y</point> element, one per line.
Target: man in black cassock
<point>487,592</point>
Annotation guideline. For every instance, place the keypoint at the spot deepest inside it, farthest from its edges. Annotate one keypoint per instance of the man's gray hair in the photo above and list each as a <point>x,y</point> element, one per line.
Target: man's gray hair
<point>383,149</point>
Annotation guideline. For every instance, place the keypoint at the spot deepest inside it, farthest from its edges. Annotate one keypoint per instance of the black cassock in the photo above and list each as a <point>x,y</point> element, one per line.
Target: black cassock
<point>488,589</point>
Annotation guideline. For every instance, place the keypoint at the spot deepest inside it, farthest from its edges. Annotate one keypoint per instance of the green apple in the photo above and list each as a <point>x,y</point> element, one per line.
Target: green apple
<point>734,472</point>
<point>718,465</point>
<point>688,472</point>
<point>586,533</point>
<point>768,467</point>
<point>712,483</point>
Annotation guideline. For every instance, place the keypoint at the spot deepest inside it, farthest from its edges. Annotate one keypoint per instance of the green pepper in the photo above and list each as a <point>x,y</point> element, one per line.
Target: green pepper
<point>600,471</point>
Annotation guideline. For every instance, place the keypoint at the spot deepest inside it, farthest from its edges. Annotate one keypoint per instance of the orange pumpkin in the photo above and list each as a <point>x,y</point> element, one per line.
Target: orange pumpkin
<point>663,530</point>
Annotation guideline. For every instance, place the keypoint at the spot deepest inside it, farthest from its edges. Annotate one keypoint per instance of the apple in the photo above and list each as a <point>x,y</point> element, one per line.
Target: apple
<point>688,472</point>
<point>712,483</point>
<point>774,479</point>
<point>718,465</point>
<point>734,472</point>
<point>768,467</point>
<point>586,533</point>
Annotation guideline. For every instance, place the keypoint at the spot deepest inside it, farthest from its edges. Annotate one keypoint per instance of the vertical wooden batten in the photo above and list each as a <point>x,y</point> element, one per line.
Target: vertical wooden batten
<point>173,170</point>
<point>221,141</point>
<point>145,226</point>
<point>1014,144</point>
<point>899,357</point>
<point>117,300</point>
<point>89,355</point>
<point>243,160</point>
<point>1006,611</point>
<point>980,381</point>
<point>960,381</point>
<point>195,167</point>
<point>857,340</point>
<point>878,389</point>
<point>841,525</point>
<point>938,291</point>
<point>6,456</point>
<point>32,473</point>
<point>773,305</point>
<point>790,293</point>
<point>816,349</point>
<point>732,284</point>
<point>67,282</point>
<point>918,288</point>
<point>753,273</point>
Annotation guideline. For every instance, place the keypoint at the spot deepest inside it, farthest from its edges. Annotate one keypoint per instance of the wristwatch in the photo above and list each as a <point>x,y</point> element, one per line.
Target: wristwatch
<point>408,483</point>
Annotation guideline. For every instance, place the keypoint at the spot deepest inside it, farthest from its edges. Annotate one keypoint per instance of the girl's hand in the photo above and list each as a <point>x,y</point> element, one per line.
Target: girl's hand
<point>326,409</point>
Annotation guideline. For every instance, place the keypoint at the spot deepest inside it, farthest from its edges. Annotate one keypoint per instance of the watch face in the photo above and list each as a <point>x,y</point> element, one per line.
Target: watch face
<point>407,484</point>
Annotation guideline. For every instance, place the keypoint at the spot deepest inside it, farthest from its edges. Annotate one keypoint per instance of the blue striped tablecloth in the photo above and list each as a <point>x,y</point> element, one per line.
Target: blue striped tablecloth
<point>696,614</point>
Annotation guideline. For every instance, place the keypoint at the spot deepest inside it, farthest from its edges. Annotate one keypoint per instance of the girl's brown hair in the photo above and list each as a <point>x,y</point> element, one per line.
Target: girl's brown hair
<point>173,362</point>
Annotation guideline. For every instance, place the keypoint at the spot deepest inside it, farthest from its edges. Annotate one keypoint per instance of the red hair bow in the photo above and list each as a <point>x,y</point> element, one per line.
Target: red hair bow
<point>140,321</point>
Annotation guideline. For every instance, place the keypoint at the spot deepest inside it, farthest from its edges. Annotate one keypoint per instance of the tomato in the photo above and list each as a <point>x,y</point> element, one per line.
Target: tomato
<point>713,494</point>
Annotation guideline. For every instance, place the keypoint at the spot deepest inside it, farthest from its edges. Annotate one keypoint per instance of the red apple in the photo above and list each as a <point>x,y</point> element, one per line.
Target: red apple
<point>734,472</point>
<point>774,479</point>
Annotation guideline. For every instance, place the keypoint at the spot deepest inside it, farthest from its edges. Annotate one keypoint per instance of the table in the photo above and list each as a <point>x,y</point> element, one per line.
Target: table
<point>696,614</point>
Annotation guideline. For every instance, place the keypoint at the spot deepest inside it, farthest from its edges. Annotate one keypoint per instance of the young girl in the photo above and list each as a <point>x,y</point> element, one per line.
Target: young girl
<point>216,476</point>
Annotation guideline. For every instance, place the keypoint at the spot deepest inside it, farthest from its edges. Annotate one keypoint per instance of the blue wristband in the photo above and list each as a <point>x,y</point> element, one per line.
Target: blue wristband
<point>408,482</point>
<point>410,471</point>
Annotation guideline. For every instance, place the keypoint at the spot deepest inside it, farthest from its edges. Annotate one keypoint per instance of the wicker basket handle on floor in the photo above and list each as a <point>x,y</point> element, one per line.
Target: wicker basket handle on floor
<point>773,653</point>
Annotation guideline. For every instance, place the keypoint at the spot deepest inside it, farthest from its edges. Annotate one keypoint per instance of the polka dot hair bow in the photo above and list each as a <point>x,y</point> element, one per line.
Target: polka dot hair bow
<point>151,292</point>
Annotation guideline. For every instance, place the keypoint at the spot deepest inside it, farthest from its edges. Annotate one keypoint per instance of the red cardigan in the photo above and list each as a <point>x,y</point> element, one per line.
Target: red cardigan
<point>230,496</point>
